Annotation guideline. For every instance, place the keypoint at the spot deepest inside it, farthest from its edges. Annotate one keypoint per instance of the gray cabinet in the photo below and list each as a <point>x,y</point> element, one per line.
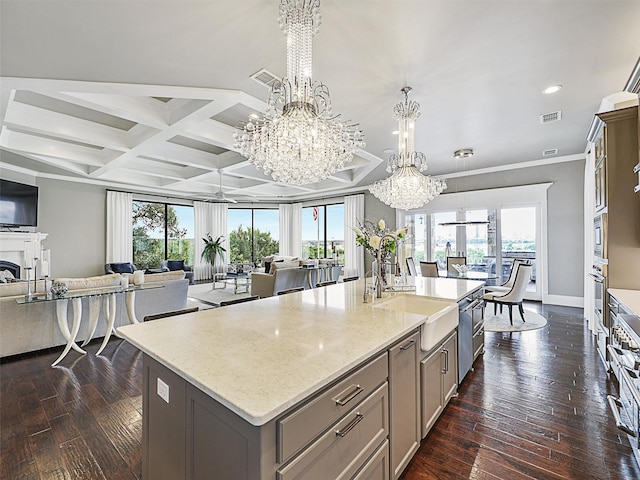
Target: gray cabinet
<point>363,426</point>
<point>439,380</point>
<point>470,331</point>
<point>377,468</point>
<point>164,397</point>
<point>404,386</point>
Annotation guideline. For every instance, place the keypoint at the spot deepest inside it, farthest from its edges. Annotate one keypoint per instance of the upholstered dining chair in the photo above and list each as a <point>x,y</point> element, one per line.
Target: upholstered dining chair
<point>515,295</point>
<point>451,261</point>
<point>429,269</point>
<point>506,286</point>
<point>412,267</point>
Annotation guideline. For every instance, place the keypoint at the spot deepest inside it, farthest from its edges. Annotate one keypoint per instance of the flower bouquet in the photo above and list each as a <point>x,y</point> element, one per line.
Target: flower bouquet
<point>372,236</point>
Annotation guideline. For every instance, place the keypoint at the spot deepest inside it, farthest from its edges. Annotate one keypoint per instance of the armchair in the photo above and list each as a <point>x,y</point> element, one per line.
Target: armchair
<point>173,265</point>
<point>121,267</point>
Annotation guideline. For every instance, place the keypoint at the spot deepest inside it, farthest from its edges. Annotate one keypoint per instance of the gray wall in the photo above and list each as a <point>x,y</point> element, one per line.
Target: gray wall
<point>375,210</point>
<point>565,222</point>
<point>74,216</point>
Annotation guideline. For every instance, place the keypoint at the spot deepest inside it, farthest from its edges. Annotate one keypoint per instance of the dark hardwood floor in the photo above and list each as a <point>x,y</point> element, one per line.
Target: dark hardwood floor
<point>535,407</point>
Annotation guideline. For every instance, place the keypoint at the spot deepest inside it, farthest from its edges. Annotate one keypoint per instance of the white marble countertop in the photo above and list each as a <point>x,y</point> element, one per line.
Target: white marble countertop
<point>630,298</point>
<point>260,358</point>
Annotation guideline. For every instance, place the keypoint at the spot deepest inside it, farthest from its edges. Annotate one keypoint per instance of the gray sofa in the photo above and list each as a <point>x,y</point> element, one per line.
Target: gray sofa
<point>286,278</point>
<point>30,327</point>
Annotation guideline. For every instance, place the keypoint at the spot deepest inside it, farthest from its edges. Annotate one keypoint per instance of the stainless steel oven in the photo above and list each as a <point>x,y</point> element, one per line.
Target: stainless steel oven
<point>600,236</point>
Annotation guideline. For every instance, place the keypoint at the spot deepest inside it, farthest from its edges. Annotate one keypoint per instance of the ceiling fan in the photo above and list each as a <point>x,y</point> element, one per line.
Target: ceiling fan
<point>219,196</point>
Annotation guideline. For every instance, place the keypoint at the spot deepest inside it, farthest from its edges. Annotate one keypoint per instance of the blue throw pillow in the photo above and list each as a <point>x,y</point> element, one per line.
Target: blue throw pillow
<point>175,265</point>
<point>122,267</point>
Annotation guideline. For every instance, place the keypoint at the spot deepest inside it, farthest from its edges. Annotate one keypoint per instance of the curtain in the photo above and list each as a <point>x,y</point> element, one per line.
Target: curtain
<point>119,227</point>
<point>210,218</point>
<point>353,254</point>
<point>291,230</point>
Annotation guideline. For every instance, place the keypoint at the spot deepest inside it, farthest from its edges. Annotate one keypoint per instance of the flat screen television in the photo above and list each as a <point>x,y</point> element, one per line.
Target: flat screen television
<point>18,204</point>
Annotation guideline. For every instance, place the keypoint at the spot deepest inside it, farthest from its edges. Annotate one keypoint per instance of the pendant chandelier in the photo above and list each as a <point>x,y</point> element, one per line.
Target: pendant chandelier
<point>407,187</point>
<point>299,140</point>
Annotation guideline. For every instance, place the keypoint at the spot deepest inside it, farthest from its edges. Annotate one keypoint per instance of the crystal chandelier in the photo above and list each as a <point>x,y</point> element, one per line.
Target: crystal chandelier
<point>299,140</point>
<point>407,187</point>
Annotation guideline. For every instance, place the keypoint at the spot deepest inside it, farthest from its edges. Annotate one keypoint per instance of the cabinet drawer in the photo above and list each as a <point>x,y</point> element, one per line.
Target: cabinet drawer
<point>303,425</point>
<point>341,451</point>
<point>377,467</point>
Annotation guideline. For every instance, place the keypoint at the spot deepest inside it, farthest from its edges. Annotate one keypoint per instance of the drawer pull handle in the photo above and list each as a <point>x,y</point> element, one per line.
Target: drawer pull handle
<point>615,404</point>
<point>357,390</point>
<point>408,345</point>
<point>348,428</point>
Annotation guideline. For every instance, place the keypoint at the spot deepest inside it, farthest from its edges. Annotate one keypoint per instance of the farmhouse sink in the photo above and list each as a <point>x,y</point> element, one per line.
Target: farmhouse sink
<point>441,317</point>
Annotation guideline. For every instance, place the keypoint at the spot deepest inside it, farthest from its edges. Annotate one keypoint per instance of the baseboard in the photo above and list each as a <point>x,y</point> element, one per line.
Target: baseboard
<point>563,300</point>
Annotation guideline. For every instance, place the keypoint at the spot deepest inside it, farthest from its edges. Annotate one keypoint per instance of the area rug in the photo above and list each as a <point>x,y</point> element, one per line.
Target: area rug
<point>204,292</point>
<point>500,322</point>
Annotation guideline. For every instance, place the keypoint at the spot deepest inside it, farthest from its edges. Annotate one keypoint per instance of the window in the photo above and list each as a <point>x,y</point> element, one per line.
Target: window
<point>162,231</point>
<point>519,239</point>
<point>253,233</point>
<point>323,232</point>
<point>443,236</point>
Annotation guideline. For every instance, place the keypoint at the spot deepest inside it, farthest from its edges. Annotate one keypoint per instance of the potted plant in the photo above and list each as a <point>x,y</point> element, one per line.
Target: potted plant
<point>212,248</point>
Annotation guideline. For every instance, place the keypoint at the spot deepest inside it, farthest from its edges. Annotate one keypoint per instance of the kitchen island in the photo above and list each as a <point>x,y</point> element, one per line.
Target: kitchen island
<point>244,391</point>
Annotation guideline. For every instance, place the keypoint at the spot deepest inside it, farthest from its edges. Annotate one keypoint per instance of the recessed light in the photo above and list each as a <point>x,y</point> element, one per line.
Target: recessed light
<point>395,132</point>
<point>254,116</point>
<point>463,153</point>
<point>552,89</point>
<point>388,150</point>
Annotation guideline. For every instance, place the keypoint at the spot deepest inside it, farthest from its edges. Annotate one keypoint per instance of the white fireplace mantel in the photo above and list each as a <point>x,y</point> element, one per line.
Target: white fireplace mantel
<point>12,246</point>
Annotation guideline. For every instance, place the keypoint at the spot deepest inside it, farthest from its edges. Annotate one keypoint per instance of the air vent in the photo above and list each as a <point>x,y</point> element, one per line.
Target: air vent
<point>551,117</point>
<point>550,152</point>
<point>266,78</point>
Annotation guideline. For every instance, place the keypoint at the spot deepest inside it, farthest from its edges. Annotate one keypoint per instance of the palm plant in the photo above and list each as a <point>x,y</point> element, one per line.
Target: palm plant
<point>212,248</point>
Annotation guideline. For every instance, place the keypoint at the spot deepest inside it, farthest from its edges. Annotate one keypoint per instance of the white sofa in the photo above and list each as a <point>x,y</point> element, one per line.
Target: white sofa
<point>30,327</point>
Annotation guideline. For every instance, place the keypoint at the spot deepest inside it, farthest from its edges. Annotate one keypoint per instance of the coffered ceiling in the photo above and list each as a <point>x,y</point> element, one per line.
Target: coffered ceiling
<point>145,96</point>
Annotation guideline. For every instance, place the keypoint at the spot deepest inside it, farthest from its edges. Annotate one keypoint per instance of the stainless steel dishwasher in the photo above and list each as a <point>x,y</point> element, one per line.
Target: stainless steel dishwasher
<point>470,316</point>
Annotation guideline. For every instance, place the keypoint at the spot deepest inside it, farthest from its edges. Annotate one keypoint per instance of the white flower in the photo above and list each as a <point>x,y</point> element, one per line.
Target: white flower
<point>358,231</point>
<point>381,224</point>
<point>375,241</point>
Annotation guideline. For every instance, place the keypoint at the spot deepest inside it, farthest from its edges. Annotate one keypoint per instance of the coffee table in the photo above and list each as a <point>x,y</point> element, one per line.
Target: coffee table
<point>240,281</point>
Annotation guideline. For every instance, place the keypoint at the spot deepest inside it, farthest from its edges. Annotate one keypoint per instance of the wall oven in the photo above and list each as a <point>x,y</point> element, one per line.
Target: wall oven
<point>600,236</point>
<point>624,352</point>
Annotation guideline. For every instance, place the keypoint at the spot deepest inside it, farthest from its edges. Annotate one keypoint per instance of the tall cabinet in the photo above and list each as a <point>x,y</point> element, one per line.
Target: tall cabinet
<point>622,205</point>
<point>616,224</point>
